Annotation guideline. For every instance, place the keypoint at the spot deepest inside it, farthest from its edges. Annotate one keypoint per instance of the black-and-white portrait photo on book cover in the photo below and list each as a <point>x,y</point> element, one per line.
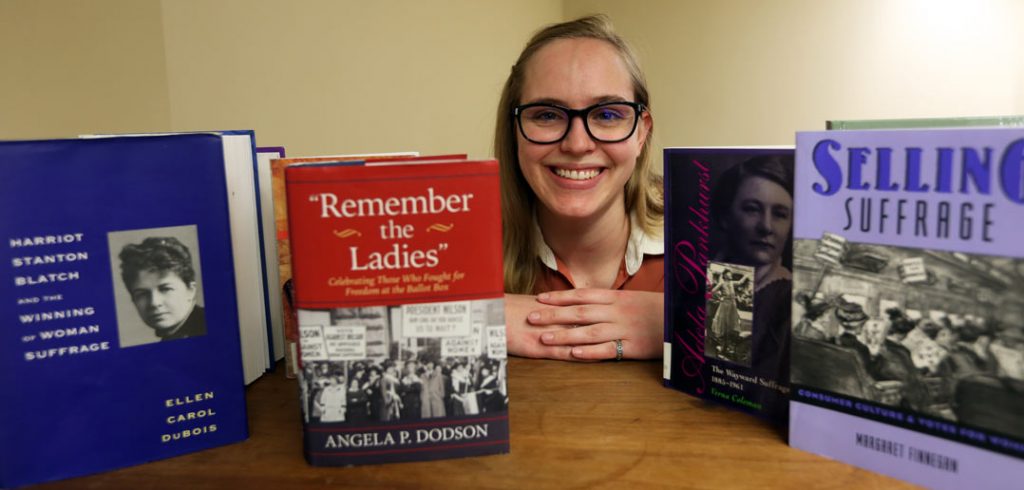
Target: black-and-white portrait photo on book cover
<point>928,332</point>
<point>157,284</point>
<point>730,309</point>
<point>404,362</point>
<point>752,226</point>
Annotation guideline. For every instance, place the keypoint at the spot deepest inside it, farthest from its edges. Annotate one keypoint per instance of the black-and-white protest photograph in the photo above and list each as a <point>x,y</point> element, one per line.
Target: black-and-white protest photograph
<point>405,362</point>
<point>157,284</point>
<point>729,313</point>
<point>930,332</point>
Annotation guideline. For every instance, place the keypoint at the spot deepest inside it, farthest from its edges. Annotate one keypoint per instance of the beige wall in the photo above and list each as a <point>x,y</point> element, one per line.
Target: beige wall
<point>347,76</point>
<point>737,72</point>
<point>69,67</point>
<point>328,76</point>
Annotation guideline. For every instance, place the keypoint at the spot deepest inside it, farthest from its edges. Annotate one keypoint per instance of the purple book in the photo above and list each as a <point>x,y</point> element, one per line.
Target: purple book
<point>908,340</point>
<point>728,236</point>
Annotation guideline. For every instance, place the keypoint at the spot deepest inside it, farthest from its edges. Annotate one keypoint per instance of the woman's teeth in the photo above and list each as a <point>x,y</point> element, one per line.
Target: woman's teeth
<point>577,174</point>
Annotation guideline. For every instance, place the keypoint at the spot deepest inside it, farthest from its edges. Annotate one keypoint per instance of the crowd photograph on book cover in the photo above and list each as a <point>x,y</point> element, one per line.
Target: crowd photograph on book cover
<point>401,322</point>
<point>926,333</point>
<point>907,352</point>
<point>405,362</point>
<point>157,284</point>
<point>729,225</point>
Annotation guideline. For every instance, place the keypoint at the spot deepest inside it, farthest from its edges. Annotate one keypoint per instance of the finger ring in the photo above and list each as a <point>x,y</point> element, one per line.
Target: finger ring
<point>618,349</point>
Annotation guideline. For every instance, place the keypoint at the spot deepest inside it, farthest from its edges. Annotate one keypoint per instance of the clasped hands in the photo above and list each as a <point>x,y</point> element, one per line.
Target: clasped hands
<point>583,324</point>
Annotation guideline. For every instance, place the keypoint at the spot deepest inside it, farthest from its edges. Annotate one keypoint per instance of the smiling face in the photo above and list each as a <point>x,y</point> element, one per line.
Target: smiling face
<point>758,221</point>
<point>162,298</point>
<point>579,177</point>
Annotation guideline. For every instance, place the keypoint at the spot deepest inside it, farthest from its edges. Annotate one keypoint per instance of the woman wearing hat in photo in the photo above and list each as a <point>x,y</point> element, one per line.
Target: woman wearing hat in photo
<point>851,318</point>
<point>726,319</point>
<point>809,326</point>
<point>727,316</point>
<point>970,354</point>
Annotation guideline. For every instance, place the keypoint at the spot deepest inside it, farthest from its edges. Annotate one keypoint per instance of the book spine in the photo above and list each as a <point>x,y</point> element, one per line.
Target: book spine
<point>687,202</point>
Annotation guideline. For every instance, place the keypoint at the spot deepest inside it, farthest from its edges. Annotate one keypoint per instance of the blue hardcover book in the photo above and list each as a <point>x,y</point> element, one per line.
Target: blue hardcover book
<point>241,170</point>
<point>121,343</point>
<point>728,233</point>
<point>907,341</point>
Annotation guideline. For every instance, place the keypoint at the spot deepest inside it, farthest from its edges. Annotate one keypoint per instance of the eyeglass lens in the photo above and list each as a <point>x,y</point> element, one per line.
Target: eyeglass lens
<point>607,123</point>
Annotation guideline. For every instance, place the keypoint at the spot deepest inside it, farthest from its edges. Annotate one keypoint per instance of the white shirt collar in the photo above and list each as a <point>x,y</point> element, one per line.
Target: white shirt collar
<point>639,244</point>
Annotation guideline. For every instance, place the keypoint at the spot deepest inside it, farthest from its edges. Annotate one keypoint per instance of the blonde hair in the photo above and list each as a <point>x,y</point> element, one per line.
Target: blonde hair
<point>643,190</point>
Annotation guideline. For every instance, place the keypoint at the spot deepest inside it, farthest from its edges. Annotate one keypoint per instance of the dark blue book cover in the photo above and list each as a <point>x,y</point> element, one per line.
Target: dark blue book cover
<point>251,288</point>
<point>121,343</point>
<point>728,233</point>
<point>907,340</point>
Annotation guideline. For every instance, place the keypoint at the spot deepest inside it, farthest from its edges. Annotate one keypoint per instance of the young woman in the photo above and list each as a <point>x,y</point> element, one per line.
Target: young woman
<point>332,400</point>
<point>392,401</point>
<point>582,206</point>
<point>410,391</point>
<point>726,316</point>
<point>356,410</point>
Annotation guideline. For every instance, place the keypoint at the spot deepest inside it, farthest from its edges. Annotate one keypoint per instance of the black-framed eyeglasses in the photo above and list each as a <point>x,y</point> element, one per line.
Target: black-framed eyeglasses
<point>607,122</point>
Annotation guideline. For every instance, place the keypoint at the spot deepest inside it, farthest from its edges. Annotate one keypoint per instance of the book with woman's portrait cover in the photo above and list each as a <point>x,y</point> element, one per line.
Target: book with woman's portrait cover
<point>249,250</point>
<point>121,341</point>
<point>728,236</point>
<point>397,273</point>
<point>908,341</point>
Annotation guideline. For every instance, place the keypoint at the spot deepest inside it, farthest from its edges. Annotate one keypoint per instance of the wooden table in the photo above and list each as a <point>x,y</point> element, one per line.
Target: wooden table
<point>607,425</point>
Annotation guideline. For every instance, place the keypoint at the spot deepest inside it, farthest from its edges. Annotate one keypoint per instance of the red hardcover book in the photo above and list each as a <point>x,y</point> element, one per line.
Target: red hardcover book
<point>277,166</point>
<point>397,272</point>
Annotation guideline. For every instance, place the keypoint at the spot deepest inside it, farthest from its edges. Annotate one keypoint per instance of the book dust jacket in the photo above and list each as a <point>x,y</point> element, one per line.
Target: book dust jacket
<point>120,341</point>
<point>728,219</point>
<point>908,312</point>
<point>398,281</point>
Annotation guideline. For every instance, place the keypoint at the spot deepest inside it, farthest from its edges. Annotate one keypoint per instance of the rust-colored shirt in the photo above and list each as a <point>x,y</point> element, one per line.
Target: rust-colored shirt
<point>642,268</point>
